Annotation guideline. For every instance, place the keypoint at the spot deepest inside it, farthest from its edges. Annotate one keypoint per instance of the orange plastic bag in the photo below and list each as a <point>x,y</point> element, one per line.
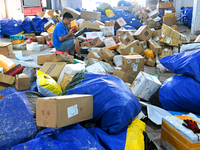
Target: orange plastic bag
<point>149,53</point>
<point>74,24</point>
<point>6,63</point>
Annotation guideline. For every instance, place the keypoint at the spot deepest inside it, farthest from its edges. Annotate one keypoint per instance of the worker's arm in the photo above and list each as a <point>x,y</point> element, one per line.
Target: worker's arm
<point>62,38</point>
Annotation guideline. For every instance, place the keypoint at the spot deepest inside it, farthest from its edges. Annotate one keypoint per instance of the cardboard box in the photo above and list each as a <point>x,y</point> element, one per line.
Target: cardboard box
<point>65,58</point>
<point>41,14</point>
<point>91,26</point>
<point>151,62</point>
<point>48,25</point>
<point>158,24</point>
<point>96,68</point>
<point>168,20</point>
<point>7,79</point>
<point>166,51</point>
<point>174,22</point>
<point>172,137</point>
<point>40,39</point>
<point>46,58</point>
<point>120,23</point>
<point>93,43</point>
<point>67,78</point>
<point>74,13</point>
<point>53,69</point>
<point>94,54</point>
<point>171,37</point>
<point>157,33</point>
<point>121,32</point>
<point>166,5</point>
<point>145,85</point>
<point>22,82</point>
<point>144,33</point>
<point>144,45</point>
<point>46,36</point>
<point>109,42</point>
<point>61,111</point>
<point>151,23</point>
<point>106,54</point>
<point>155,47</point>
<point>4,86</point>
<point>112,23</point>
<point>154,13</point>
<point>51,36</point>
<point>127,38</point>
<point>126,77</point>
<point>134,47</point>
<point>6,48</point>
<point>90,15</point>
<point>12,56</point>
<point>133,63</point>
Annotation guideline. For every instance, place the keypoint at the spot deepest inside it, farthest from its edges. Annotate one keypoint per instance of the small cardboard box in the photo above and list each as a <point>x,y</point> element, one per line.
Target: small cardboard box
<point>144,33</point>
<point>7,79</point>
<point>53,69</point>
<point>155,47</point>
<point>67,78</point>
<point>112,23</point>
<point>134,47</point>
<point>126,77</point>
<point>127,38</point>
<point>61,111</point>
<point>109,42</point>
<point>46,58</point>
<point>121,32</point>
<point>94,54</point>
<point>22,82</point>
<point>151,23</point>
<point>72,11</point>
<point>91,26</point>
<point>6,48</point>
<point>120,23</point>
<point>157,33</point>
<point>145,85</point>
<point>93,43</point>
<point>144,45</point>
<point>106,54</point>
<point>133,63</point>
<point>151,62</point>
<point>168,20</point>
<point>96,68</point>
<point>166,51</point>
<point>40,39</point>
<point>90,15</point>
<point>48,25</point>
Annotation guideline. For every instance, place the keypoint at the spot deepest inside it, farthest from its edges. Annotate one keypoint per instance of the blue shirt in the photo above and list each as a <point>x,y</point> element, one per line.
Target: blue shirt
<point>60,30</point>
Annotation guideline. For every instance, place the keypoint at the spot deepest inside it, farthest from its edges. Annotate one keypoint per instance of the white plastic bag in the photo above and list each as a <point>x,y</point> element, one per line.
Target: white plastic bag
<point>118,60</point>
<point>71,69</point>
<point>107,31</point>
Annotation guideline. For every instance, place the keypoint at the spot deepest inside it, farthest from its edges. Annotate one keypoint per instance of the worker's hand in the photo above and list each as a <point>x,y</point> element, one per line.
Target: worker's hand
<point>70,34</point>
<point>191,125</point>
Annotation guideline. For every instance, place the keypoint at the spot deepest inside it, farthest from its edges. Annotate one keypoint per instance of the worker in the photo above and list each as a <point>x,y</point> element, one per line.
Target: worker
<point>64,40</point>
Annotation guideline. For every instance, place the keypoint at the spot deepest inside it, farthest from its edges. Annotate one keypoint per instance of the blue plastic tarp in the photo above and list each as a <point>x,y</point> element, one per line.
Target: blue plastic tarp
<point>27,25</point>
<point>73,137</point>
<point>17,123</point>
<point>186,63</point>
<point>180,93</point>
<point>36,22</point>
<point>114,104</point>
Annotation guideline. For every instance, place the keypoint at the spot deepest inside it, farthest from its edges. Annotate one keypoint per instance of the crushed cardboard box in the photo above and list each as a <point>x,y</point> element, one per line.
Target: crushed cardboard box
<point>67,78</point>
<point>74,13</point>
<point>126,77</point>
<point>91,26</point>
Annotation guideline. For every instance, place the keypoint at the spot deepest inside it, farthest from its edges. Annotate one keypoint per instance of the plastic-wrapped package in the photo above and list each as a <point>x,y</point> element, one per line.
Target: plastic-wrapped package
<point>118,60</point>
<point>108,68</point>
<point>29,72</point>
<point>6,63</point>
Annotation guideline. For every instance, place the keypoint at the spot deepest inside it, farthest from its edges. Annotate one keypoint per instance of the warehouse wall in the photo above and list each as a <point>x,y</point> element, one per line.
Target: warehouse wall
<point>60,4</point>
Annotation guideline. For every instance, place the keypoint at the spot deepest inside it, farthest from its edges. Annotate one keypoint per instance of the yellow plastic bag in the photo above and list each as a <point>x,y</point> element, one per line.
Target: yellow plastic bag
<point>149,53</point>
<point>134,136</point>
<point>109,13</point>
<point>47,86</point>
<point>74,24</point>
<point>6,63</point>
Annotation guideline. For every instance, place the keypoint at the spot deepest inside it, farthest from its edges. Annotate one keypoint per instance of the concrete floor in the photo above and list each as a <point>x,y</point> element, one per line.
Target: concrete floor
<point>153,131</point>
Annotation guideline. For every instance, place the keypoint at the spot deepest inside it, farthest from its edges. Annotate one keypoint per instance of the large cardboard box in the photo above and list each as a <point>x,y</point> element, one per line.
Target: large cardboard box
<point>144,33</point>
<point>173,137</point>
<point>155,47</point>
<point>127,38</point>
<point>6,48</point>
<point>94,54</point>
<point>90,15</point>
<point>91,26</point>
<point>93,43</point>
<point>126,77</point>
<point>134,47</point>
<point>166,5</point>
<point>132,63</point>
<point>106,54</point>
<point>120,23</point>
<point>67,78</point>
<point>40,39</point>
<point>46,58</point>
<point>168,20</point>
<point>145,85</point>
<point>53,69</point>
<point>121,32</point>
<point>166,51</point>
<point>61,111</point>
<point>7,79</point>
<point>74,13</point>
<point>22,82</point>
